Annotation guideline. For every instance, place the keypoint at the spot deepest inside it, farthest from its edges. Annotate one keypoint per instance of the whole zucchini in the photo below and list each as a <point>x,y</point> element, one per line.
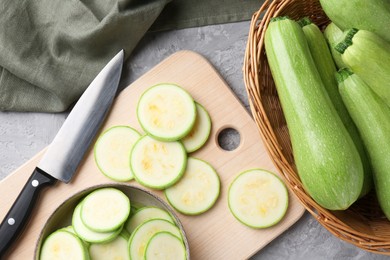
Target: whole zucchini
<point>371,15</point>
<point>333,36</point>
<point>327,69</point>
<point>325,155</point>
<point>372,117</point>
<point>368,55</point>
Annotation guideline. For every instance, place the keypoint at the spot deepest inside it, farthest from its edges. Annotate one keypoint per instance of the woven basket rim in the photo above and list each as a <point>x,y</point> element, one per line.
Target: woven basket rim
<point>252,80</point>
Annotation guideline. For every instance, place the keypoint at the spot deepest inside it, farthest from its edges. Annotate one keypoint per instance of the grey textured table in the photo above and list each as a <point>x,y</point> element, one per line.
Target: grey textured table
<point>24,134</point>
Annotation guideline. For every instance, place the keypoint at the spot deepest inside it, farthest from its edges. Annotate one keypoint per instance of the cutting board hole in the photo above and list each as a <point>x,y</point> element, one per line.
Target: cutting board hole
<point>229,139</point>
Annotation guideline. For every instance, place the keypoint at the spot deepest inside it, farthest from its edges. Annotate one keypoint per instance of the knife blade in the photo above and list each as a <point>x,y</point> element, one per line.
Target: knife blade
<point>61,160</point>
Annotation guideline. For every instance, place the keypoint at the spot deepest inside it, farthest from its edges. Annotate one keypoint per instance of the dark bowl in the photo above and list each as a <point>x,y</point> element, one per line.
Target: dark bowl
<point>62,216</point>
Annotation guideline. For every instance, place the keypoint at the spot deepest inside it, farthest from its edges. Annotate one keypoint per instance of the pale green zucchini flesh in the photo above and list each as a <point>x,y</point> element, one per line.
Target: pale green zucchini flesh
<point>198,189</point>
<point>372,117</point>
<point>112,152</point>
<point>200,131</point>
<point>63,245</point>
<point>105,210</point>
<point>116,249</point>
<point>141,236</point>
<point>368,55</point>
<point>71,230</point>
<point>89,235</point>
<point>164,245</point>
<point>257,198</point>
<point>145,214</point>
<point>327,70</point>
<point>156,164</point>
<point>327,160</point>
<point>166,112</point>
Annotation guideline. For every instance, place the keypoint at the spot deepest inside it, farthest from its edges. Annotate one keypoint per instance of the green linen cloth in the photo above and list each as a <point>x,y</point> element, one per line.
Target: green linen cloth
<point>50,50</point>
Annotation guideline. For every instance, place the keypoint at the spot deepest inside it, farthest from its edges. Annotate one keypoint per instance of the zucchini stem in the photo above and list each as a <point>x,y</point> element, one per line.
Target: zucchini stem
<point>343,74</point>
<point>279,18</point>
<point>304,21</point>
<point>344,44</point>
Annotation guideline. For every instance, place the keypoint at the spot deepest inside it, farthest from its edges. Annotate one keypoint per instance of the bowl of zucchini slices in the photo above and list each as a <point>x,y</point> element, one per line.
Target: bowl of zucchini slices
<point>113,221</point>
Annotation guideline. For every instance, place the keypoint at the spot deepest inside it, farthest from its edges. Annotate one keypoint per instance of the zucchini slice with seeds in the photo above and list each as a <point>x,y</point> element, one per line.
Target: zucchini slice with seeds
<point>166,112</point>
<point>157,164</point>
<point>105,209</point>
<point>63,245</point>
<point>197,190</point>
<point>141,236</point>
<point>163,245</point>
<point>89,235</point>
<point>112,152</point>
<point>258,198</point>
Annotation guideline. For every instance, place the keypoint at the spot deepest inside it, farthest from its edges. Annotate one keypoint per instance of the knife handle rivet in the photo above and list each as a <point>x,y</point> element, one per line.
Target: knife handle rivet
<point>35,183</point>
<point>11,221</point>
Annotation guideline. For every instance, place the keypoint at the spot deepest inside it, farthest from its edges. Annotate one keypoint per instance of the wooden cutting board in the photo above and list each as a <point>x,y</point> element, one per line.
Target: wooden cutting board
<point>215,234</point>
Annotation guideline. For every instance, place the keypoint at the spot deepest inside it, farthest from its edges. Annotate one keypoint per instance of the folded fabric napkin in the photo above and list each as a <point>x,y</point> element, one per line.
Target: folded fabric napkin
<point>50,50</point>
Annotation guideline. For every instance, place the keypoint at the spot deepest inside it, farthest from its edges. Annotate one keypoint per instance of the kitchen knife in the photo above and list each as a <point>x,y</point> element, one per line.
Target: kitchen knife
<point>64,154</point>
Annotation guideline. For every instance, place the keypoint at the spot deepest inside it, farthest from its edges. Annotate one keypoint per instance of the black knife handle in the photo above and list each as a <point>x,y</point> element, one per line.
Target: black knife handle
<point>17,217</point>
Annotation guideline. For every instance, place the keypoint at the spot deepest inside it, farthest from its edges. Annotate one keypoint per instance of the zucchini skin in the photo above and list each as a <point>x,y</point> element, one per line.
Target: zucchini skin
<point>333,36</point>
<point>327,160</point>
<point>368,55</point>
<point>327,69</point>
<point>348,14</point>
<point>372,117</point>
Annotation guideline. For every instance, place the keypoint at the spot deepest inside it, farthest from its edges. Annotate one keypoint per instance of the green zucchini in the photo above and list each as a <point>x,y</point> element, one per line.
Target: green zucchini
<point>327,69</point>
<point>334,35</point>
<point>372,117</point>
<point>368,55</point>
<point>371,15</point>
<point>327,160</point>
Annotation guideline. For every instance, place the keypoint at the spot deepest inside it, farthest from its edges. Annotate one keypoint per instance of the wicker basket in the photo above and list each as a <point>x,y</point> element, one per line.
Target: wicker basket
<point>363,224</point>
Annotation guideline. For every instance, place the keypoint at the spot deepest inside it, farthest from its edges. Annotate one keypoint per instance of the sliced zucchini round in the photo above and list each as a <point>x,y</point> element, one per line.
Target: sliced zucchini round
<point>71,230</point>
<point>163,245</point>
<point>258,198</point>
<point>63,245</point>
<point>166,112</point>
<point>197,190</point>
<point>157,164</point>
<point>116,249</point>
<point>87,234</point>
<point>105,209</point>
<point>200,132</point>
<point>112,152</point>
<point>144,214</point>
<point>141,236</point>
